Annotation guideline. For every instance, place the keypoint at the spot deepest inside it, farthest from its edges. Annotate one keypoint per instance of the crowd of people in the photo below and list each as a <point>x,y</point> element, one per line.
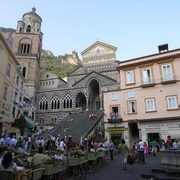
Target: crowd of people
<point>39,148</point>
<point>10,147</point>
<point>141,149</point>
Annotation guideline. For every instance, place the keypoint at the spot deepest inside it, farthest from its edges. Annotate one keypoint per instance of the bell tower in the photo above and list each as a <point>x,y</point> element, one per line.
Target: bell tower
<point>27,47</point>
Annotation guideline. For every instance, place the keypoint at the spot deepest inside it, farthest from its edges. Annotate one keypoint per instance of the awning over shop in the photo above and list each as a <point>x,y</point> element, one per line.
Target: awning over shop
<point>29,126</point>
<point>91,134</point>
<point>13,130</point>
<point>111,129</point>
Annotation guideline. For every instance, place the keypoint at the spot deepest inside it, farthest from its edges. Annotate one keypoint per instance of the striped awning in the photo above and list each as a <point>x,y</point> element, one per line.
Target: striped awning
<point>111,129</point>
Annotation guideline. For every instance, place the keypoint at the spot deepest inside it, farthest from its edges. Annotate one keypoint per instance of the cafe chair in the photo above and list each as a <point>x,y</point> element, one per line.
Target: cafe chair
<point>7,175</point>
<point>36,174</point>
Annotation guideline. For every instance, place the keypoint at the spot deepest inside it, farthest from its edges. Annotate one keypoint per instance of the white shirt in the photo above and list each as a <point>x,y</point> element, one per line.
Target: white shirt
<point>174,145</point>
<point>2,141</point>
<point>105,144</point>
<point>8,140</point>
<point>59,157</point>
<point>53,138</point>
<point>38,141</point>
<point>13,141</point>
<point>62,144</point>
<point>41,142</point>
<point>141,145</point>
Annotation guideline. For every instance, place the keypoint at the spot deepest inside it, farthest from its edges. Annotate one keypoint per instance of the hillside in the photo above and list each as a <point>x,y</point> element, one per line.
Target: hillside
<point>8,34</point>
<point>56,65</point>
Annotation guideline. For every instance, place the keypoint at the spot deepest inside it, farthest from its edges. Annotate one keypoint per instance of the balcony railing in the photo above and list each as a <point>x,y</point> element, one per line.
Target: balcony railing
<point>114,118</point>
<point>21,104</point>
<point>168,79</point>
<point>146,82</point>
<point>16,101</point>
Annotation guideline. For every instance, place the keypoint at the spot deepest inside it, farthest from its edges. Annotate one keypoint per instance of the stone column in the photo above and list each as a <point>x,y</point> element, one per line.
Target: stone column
<point>101,101</point>
<point>87,103</point>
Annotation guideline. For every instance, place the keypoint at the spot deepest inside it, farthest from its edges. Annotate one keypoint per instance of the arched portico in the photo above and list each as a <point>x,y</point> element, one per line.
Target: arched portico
<point>81,100</point>
<point>94,95</point>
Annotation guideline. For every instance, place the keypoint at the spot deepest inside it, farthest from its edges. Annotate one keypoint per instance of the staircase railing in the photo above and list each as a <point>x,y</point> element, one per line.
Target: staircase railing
<point>51,131</point>
<point>100,115</point>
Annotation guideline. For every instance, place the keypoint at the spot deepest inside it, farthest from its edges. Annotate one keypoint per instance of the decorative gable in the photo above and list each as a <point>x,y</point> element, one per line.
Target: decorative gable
<point>99,51</point>
<point>102,79</point>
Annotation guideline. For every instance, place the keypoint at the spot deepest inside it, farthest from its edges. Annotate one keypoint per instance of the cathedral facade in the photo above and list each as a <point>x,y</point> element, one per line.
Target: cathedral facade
<point>52,97</point>
<point>84,88</point>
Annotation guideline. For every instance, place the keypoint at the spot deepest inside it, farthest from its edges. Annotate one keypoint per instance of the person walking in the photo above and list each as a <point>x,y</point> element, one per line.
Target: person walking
<point>124,151</point>
<point>169,142</point>
<point>154,145</point>
<point>62,144</point>
<point>141,151</point>
<point>146,148</point>
<point>175,144</point>
<point>111,149</point>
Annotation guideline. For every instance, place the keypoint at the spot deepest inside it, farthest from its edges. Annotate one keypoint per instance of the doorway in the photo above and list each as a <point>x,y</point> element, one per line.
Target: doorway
<point>133,133</point>
<point>93,95</point>
<point>153,136</point>
<point>81,101</point>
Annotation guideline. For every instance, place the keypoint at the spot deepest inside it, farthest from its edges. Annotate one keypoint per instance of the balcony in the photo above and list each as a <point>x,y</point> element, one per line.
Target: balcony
<point>114,118</point>
<point>21,104</point>
<point>168,79</point>
<point>147,82</point>
<point>16,101</point>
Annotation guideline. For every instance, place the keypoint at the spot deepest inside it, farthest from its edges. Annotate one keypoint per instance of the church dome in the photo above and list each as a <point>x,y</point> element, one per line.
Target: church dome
<point>33,14</point>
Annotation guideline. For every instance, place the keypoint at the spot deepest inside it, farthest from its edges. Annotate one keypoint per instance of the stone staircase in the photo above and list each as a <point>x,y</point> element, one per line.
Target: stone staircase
<point>47,133</point>
<point>77,125</point>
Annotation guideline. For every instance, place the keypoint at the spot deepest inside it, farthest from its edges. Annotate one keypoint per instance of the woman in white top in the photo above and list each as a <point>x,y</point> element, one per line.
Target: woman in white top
<point>60,154</point>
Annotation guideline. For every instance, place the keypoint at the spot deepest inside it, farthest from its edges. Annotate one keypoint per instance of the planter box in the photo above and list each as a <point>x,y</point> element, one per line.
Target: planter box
<point>91,157</point>
<point>170,160</point>
<point>74,161</point>
<point>53,168</point>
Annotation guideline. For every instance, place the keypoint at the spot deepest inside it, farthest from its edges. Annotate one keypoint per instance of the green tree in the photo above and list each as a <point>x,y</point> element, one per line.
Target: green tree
<point>21,124</point>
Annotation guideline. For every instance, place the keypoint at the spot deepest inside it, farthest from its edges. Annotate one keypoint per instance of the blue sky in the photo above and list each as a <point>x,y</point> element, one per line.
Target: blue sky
<point>135,27</point>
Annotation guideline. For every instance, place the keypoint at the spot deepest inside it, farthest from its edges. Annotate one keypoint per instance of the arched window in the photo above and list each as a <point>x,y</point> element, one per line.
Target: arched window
<point>25,46</point>
<point>55,103</point>
<point>67,102</point>
<point>46,107</point>
<point>24,72</point>
<point>28,29</point>
<point>43,104</point>
<point>58,104</point>
<point>70,104</point>
<point>52,105</point>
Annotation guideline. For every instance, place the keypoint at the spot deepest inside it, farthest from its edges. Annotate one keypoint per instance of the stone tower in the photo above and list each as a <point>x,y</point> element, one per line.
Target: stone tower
<point>27,47</point>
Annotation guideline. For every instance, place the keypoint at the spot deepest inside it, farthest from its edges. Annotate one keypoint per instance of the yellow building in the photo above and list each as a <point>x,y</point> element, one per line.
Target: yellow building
<point>7,78</point>
<point>147,105</point>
